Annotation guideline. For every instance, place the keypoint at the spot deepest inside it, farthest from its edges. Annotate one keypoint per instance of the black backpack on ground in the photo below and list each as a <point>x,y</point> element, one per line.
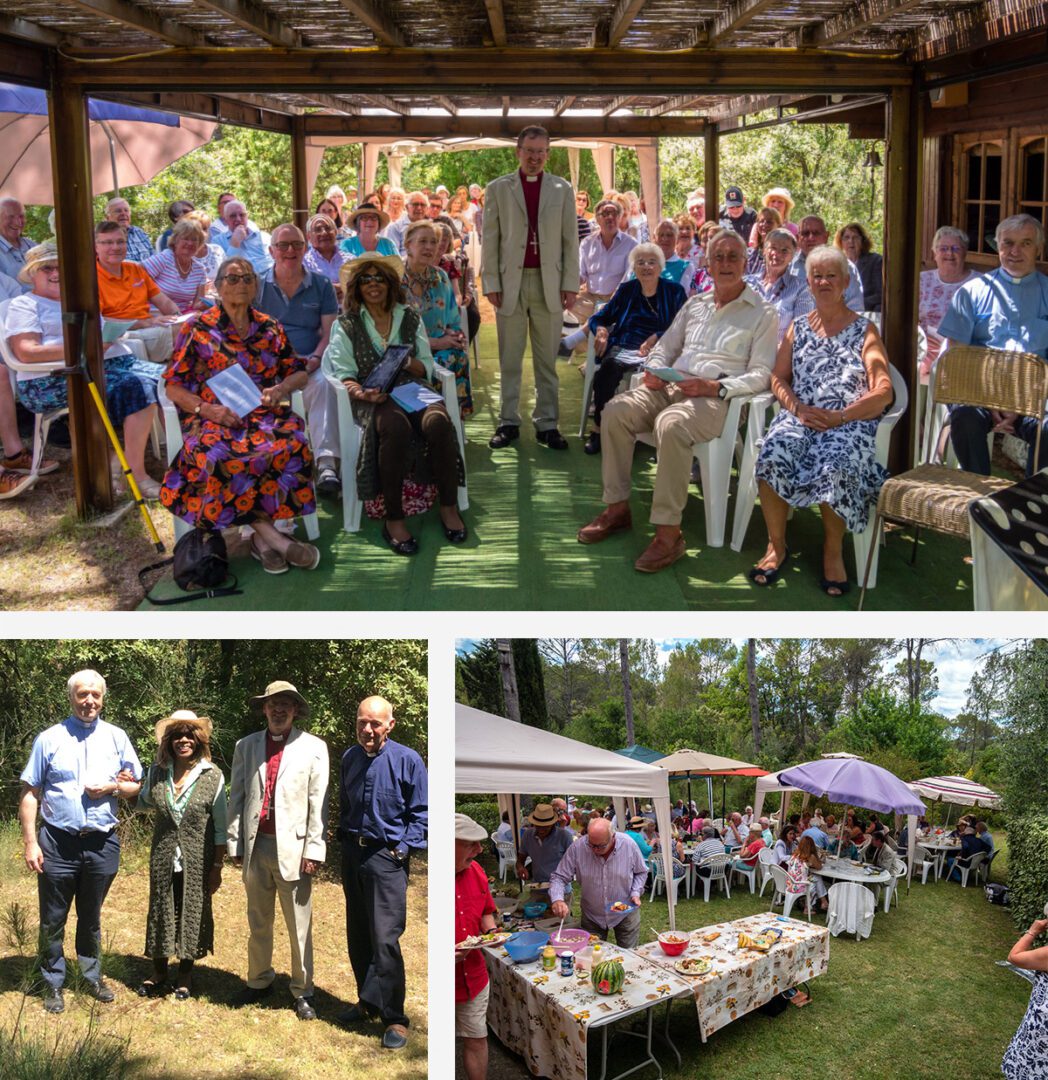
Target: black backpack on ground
<point>200,566</point>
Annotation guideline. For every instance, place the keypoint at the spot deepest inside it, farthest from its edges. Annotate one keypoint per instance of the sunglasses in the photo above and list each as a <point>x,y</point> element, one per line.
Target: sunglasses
<point>236,279</point>
<point>371,279</point>
<point>290,245</point>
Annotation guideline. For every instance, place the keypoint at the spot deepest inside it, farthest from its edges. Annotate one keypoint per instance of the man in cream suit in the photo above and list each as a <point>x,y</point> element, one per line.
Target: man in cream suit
<point>530,273</point>
<point>277,817</point>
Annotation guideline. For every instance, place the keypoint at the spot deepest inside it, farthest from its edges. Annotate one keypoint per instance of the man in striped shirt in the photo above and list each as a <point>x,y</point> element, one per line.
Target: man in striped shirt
<point>139,246</point>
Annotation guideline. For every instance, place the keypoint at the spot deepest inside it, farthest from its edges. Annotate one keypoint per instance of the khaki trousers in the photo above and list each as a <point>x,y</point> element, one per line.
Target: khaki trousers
<point>531,315</point>
<point>158,340</point>
<point>263,884</point>
<point>677,422</point>
<point>586,304</point>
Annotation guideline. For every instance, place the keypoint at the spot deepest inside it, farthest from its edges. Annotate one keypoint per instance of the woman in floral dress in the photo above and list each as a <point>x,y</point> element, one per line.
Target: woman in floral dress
<point>430,293</point>
<point>1027,1055</point>
<point>254,470</point>
<point>831,379</point>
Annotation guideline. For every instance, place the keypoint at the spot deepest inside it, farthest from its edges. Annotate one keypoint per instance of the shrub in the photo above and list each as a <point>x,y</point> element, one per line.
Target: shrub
<point>1028,867</point>
<point>485,812</point>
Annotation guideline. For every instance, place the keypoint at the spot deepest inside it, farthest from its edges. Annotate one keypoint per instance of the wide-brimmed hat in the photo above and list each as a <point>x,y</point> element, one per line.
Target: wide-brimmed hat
<point>282,687</point>
<point>638,822</point>
<point>366,208</point>
<point>35,257</point>
<point>349,270</point>
<point>185,718</point>
<point>778,193</point>
<point>543,815</point>
<point>467,829</point>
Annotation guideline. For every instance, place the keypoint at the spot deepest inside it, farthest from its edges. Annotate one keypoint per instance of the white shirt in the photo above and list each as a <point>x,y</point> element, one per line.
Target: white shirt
<point>600,268</point>
<point>737,341</point>
<point>32,314</point>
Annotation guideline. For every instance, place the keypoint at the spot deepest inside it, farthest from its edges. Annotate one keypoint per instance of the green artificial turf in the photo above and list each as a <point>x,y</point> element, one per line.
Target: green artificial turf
<point>526,504</point>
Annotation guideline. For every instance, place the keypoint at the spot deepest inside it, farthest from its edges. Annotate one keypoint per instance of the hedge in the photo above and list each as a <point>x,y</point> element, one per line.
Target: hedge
<point>1028,867</point>
<point>484,812</point>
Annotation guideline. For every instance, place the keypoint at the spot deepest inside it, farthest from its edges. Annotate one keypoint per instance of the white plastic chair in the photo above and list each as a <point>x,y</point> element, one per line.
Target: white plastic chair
<point>173,439</point>
<point>788,898</point>
<point>678,871</point>
<point>507,856</point>
<point>748,873</point>
<point>765,861</point>
<point>984,868</point>
<point>718,867</point>
<point>349,433</point>
<point>965,870</point>
<point>746,495</point>
<point>925,861</point>
<point>891,890</point>
<point>715,460</point>
<point>851,909</point>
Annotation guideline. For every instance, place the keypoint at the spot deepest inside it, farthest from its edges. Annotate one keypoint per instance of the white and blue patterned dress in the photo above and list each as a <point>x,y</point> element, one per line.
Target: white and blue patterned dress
<point>1027,1055</point>
<point>837,467</point>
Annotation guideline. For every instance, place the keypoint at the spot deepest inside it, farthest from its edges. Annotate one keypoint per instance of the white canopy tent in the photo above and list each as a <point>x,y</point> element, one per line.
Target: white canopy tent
<point>396,150</point>
<point>500,756</point>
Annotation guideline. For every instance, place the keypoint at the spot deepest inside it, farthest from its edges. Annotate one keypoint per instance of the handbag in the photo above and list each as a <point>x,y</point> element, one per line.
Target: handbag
<point>200,566</point>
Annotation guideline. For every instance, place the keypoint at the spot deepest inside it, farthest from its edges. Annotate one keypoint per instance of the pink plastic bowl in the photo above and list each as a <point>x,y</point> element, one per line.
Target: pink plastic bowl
<point>673,948</point>
<point>572,940</point>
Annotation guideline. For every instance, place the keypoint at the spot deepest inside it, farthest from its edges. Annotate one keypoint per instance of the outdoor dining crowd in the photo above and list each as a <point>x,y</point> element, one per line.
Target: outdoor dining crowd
<point>696,309</point>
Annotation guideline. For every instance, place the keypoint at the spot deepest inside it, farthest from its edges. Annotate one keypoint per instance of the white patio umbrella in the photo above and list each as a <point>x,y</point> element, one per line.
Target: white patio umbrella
<point>129,146</point>
<point>957,790</point>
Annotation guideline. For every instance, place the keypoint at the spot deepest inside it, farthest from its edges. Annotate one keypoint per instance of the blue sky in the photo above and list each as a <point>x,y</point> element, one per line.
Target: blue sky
<point>955,662</point>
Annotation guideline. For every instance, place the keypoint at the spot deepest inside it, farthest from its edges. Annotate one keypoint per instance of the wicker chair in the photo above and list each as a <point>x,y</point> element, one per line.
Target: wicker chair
<point>934,496</point>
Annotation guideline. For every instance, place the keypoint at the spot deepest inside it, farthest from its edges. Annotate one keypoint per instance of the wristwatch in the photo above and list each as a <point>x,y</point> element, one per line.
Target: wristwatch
<point>722,391</point>
<point>196,411</point>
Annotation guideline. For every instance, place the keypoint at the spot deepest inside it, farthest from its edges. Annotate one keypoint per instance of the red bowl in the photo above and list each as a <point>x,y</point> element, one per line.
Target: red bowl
<point>673,948</point>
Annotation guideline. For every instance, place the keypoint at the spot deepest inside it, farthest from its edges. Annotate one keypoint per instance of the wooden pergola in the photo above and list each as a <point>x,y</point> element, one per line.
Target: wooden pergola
<point>483,68</point>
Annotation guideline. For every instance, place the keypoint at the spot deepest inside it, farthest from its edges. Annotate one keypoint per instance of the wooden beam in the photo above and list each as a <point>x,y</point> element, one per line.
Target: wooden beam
<point>497,21</point>
<point>138,18</point>
<point>71,175</point>
<point>617,103</point>
<point>676,103</point>
<point>24,61</point>
<point>626,11</point>
<point>446,104</point>
<point>271,116</point>
<point>26,30</point>
<point>257,20</point>
<point>846,24</point>
<point>377,21</point>
<point>502,127</point>
<point>735,107</point>
<point>563,104</point>
<point>382,101</point>
<point>987,25</point>
<point>335,103</point>
<point>1011,54</point>
<point>711,171</point>
<point>270,104</point>
<point>735,17</point>
<point>497,72</point>
<point>902,251</point>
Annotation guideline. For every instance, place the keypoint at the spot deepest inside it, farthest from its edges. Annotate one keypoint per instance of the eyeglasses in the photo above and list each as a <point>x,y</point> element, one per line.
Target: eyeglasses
<point>48,268</point>
<point>599,847</point>
<point>290,245</point>
<point>949,249</point>
<point>236,279</point>
<point>418,205</point>
<point>813,232</point>
<point>645,262</point>
<point>371,279</point>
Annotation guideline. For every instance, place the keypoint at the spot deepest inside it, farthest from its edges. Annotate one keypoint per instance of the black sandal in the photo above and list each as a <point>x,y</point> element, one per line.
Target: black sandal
<point>151,988</point>
<point>401,547</point>
<point>842,587</point>
<point>769,575</point>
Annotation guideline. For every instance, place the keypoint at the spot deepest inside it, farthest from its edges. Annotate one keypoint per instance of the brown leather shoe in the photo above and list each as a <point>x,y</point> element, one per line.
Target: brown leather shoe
<point>604,525</point>
<point>658,555</point>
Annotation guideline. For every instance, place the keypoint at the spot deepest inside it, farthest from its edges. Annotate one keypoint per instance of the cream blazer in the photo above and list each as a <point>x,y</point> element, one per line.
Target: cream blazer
<point>301,800</point>
<point>506,237</point>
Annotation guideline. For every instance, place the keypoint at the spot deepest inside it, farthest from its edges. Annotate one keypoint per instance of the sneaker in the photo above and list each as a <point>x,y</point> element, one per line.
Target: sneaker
<point>271,559</point>
<point>11,484</point>
<point>22,464</point>
<point>54,1002</point>
<point>328,483</point>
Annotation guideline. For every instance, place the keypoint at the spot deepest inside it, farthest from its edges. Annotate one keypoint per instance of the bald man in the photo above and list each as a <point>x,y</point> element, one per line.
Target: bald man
<point>384,808</point>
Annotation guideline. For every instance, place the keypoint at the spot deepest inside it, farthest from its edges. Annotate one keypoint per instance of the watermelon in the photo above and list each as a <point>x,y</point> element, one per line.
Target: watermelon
<point>608,977</point>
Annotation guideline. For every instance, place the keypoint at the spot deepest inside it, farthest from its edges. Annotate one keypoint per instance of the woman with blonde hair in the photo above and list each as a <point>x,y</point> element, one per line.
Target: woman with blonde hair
<point>780,200</point>
<point>802,867</point>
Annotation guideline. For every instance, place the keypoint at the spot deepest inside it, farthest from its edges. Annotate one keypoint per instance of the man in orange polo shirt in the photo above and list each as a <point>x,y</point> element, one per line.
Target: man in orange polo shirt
<point>125,292</point>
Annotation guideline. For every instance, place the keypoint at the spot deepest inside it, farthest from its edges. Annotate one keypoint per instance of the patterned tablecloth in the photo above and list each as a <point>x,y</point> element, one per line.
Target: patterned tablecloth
<point>546,1017</point>
<point>742,980</point>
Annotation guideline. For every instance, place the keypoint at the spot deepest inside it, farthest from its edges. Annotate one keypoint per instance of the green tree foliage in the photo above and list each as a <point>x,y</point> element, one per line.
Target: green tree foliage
<point>1028,865</point>
<point>148,679</point>
<point>478,671</point>
<point>1024,675</point>
<point>530,688</point>
<point>881,726</point>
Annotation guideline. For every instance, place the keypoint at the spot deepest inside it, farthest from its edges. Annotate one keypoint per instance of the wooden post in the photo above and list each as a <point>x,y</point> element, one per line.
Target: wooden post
<point>71,172</point>
<point>299,180</point>
<point>902,174</point>
<point>711,172</point>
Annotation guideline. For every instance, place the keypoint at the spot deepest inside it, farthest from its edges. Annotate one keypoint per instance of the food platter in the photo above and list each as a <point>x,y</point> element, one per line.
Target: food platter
<point>619,907</point>
<point>482,941</point>
<point>693,965</point>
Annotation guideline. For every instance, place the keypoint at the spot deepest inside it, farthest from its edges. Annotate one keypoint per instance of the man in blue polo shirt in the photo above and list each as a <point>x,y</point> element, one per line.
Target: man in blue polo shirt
<point>13,244</point>
<point>384,814</point>
<point>304,303</point>
<point>77,770</point>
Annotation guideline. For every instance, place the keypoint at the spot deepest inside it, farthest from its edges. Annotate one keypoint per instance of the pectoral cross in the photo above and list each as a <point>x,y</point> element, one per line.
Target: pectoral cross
<point>534,243</point>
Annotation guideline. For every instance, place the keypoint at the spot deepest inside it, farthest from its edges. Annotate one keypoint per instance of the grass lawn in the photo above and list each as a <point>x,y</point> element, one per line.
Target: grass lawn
<point>921,998</point>
<point>208,1036</point>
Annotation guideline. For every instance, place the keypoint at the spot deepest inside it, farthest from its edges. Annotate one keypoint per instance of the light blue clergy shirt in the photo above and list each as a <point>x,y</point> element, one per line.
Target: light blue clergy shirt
<point>1000,312</point>
<point>70,755</point>
<point>255,248</point>
<point>12,258</point>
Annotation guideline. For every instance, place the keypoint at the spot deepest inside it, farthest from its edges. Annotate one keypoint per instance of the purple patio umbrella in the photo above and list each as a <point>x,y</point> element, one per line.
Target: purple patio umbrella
<point>855,782</point>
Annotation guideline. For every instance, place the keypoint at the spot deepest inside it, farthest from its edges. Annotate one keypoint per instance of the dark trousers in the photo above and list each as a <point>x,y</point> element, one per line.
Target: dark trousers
<point>77,870</point>
<point>969,427</point>
<point>394,428</point>
<point>606,381</point>
<point>376,890</point>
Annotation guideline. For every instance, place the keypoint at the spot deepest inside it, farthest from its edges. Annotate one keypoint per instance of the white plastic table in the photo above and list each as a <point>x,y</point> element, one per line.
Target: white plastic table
<point>845,870</point>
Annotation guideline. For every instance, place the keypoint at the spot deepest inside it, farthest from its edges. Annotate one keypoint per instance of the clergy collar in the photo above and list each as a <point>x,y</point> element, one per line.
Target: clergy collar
<point>529,179</point>
<point>1014,280</point>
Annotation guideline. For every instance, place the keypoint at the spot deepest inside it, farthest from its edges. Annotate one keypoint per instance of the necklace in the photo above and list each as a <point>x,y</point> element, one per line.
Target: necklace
<point>649,305</point>
<point>184,273</point>
<point>388,320</point>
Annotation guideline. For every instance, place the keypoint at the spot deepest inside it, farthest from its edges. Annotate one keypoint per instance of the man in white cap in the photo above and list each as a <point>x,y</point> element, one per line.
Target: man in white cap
<point>277,819</point>
<point>474,914</point>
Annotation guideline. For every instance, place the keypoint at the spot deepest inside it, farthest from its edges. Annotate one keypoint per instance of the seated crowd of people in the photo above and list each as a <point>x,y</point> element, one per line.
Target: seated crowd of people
<point>701,310</point>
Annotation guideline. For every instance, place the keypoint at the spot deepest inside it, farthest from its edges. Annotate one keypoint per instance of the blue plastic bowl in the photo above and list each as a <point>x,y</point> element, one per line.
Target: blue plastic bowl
<point>526,945</point>
<point>534,908</point>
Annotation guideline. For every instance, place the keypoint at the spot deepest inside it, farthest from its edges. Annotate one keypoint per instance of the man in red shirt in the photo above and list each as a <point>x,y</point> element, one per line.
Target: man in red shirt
<point>474,914</point>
